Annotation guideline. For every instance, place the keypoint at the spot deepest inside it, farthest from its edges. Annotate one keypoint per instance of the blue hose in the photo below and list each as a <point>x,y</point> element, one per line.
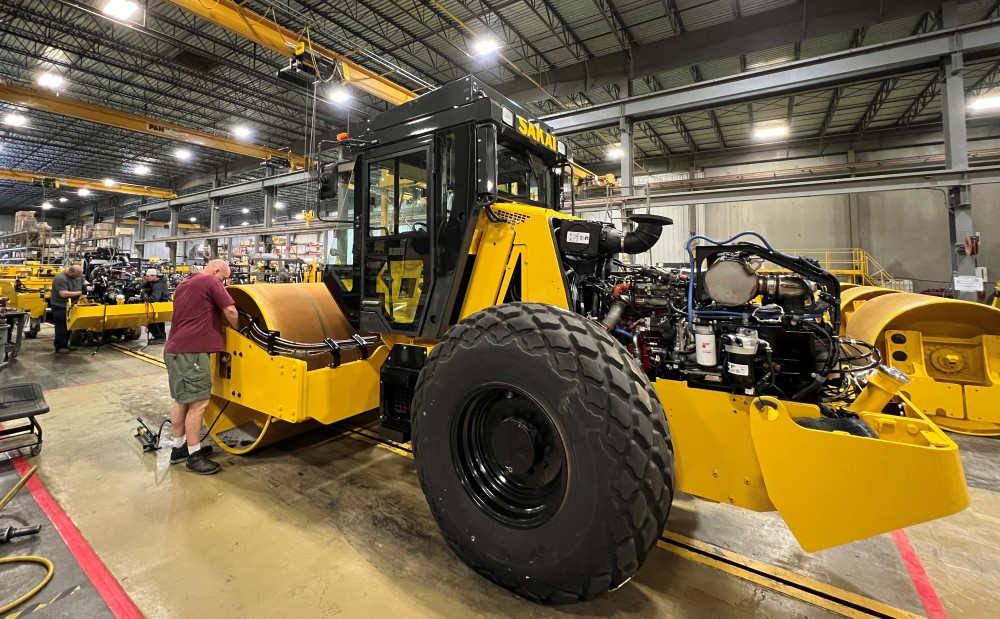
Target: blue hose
<point>622,333</point>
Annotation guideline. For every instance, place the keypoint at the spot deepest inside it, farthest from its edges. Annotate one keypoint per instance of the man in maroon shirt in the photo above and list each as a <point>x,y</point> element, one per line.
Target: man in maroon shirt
<point>200,303</point>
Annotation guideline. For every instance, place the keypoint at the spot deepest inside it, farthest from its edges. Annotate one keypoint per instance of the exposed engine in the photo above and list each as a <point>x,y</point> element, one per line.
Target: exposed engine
<point>741,318</point>
<point>114,283</point>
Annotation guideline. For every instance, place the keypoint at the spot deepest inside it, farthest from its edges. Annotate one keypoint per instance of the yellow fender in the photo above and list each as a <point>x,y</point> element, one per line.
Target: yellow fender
<point>949,348</point>
<point>852,298</point>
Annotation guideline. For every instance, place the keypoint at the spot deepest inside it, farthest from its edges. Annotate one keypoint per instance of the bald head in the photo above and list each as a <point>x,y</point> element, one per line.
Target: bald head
<point>74,270</point>
<point>217,268</point>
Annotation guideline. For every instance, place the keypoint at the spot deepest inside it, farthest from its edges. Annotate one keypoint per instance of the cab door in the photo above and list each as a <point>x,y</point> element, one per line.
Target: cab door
<point>397,269</point>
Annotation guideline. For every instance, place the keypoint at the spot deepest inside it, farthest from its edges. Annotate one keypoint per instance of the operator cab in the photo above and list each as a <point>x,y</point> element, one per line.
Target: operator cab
<point>414,182</point>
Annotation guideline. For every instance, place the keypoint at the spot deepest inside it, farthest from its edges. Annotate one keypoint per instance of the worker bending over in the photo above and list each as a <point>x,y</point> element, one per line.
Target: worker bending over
<point>154,290</point>
<point>67,284</point>
<point>200,303</point>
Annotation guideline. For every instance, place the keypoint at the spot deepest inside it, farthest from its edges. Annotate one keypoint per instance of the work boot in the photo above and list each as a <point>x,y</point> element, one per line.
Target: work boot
<point>180,454</point>
<point>200,464</point>
<point>63,351</point>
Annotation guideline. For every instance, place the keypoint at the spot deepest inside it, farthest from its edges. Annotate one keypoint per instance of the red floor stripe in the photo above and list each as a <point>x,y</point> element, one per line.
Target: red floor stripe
<point>921,581</point>
<point>106,584</point>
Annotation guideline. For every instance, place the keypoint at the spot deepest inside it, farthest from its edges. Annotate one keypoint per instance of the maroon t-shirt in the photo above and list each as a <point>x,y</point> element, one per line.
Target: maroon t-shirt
<point>197,322</point>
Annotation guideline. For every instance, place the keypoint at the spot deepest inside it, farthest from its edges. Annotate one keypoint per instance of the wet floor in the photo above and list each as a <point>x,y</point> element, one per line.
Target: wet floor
<point>326,525</point>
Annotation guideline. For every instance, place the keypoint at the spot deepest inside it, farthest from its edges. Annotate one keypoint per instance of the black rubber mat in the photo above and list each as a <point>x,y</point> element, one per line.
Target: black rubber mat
<point>70,593</point>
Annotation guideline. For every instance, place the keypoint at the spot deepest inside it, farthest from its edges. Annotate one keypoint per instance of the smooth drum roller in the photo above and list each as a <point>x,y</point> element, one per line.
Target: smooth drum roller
<point>852,298</point>
<point>950,350</point>
<point>299,312</point>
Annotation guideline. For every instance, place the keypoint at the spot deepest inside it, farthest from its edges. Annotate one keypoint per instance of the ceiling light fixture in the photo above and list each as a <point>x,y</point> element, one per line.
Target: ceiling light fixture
<point>245,210</point>
<point>242,132</point>
<point>485,47</point>
<point>193,219</point>
<point>52,81</point>
<point>986,102</point>
<point>109,182</point>
<point>615,153</point>
<point>222,227</point>
<point>183,154</point>
<point>142,169</point>
<point>299,216</point>
<point>83,193</point>
<point>63,200</point>
<point>340,94</point>
<point>770,132</point>
<point>15,120</point>
<point>279,205</point>
<point>120,9</point>
<point>46,205</point>
<point>244,224</point>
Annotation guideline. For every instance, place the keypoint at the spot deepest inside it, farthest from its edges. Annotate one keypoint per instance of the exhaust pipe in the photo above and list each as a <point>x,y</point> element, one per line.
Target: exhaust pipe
<point>614,241</point>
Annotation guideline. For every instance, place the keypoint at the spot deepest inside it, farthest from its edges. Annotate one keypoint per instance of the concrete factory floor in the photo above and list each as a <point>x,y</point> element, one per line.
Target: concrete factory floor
<point>327,524</point>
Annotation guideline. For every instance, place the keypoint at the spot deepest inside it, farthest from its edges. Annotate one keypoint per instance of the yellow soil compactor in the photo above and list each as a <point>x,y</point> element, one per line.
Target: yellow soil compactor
<point>557,398</point>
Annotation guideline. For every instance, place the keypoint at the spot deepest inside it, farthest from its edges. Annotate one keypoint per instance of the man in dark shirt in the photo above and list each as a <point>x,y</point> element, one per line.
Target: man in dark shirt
<point>154,290</point>
<point>67,284</point>
<point>200,303</point>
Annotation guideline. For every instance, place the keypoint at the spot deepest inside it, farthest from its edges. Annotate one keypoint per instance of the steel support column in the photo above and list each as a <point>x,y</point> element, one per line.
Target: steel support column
<point>627,144</point>
<point>956,155</point>
<point>215,212</point>
<point>270,197</point>
<point>175,221</point>
<point>140,235</point>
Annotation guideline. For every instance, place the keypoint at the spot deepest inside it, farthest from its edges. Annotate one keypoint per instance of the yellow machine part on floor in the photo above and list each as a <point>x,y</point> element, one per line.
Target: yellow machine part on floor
<point>852,298</point>
<point>258,398</point>
<point>98,317</point>
<point>950,349</point>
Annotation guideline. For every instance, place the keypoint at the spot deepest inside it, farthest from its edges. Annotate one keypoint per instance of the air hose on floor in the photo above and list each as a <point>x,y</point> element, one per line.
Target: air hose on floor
<point>34,591</point>
<point>30,559</point>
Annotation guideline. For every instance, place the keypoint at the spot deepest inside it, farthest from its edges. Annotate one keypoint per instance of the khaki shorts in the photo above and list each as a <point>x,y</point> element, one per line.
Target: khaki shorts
<point>189,375</point>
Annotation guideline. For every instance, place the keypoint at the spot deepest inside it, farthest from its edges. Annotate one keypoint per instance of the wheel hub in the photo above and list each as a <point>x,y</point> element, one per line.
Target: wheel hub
<point>516,445</point>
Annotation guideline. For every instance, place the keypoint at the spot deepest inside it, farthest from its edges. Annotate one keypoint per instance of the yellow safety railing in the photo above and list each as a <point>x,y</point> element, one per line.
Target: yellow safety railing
<point>853,265</point>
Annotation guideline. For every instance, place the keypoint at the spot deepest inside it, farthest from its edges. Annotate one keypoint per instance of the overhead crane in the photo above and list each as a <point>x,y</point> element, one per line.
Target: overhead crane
<point>44,101</point>
<point>50,180</point>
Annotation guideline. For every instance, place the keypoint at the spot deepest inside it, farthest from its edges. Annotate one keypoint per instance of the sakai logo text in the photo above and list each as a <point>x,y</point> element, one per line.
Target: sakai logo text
<point>536,133</point>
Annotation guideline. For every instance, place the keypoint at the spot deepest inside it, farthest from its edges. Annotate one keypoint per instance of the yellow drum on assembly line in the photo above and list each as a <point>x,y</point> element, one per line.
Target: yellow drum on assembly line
<point>950,349</point>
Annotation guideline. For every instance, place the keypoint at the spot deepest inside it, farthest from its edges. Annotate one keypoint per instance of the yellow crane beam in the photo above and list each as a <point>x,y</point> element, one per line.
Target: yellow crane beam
<point>22,176</point>
<point>45,101</point>
<point>267,33</point>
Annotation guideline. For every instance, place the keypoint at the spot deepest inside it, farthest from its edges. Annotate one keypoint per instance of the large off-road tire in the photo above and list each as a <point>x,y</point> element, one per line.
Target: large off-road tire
<point>77,337</point>
<point>543,452</point>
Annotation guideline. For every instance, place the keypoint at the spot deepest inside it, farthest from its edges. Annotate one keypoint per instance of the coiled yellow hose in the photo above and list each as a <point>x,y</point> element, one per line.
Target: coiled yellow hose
<point>30,594</point>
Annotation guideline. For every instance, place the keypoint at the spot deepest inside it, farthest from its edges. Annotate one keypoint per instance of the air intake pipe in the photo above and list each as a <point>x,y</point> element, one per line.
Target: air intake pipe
<point>614,241</point>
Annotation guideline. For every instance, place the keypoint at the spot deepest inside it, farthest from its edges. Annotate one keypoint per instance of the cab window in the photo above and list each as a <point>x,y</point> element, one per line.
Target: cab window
<point>397,195</point>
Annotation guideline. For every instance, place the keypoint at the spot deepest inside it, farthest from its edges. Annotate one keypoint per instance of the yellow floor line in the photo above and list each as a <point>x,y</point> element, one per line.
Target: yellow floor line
<point>791,584</point>
<point>138,355</point>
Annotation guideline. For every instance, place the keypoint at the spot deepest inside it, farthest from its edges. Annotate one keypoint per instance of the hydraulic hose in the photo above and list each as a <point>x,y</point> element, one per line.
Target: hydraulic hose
<point>30,594</point>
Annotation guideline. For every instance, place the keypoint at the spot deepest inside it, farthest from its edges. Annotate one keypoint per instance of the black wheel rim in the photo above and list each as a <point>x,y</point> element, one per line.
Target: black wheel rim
<point>510,457</point>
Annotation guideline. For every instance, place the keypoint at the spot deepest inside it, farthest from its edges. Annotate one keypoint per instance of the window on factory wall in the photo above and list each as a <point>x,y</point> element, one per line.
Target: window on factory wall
<point>397,195</point>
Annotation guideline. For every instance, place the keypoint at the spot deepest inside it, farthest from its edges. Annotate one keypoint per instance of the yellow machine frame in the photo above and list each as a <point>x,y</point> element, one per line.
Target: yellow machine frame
<point>744,451</point>
<point>98,318</point>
